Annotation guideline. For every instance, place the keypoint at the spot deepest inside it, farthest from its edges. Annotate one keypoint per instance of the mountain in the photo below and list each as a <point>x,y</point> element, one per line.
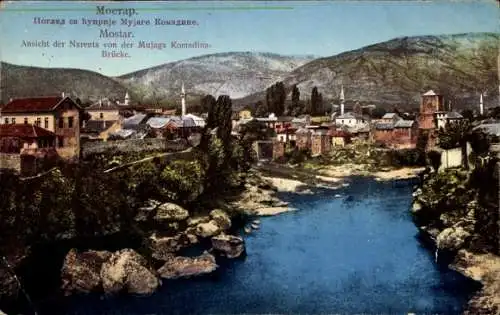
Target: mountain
<point>23,81</point>
<point>236,74</point>
<point>395,72</point>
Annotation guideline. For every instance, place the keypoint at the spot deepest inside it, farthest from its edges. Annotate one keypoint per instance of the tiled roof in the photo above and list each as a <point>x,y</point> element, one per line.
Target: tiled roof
<point>384,126</point>
<point>454,115</point>
<point>36,104</point>
<point>404,124</point>
<point>389,115</point>
<point>32,104</point>
<point>158,122</point>
<point>430,93</point>
<point>134,120</point>
<point>24,131</point>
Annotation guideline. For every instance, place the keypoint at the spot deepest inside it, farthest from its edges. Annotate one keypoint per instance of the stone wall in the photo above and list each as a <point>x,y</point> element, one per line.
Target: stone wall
<point>132,145</point>
<point>10,161</point>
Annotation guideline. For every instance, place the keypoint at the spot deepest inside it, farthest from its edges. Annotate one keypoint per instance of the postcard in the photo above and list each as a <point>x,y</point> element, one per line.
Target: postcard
<point>249,157</point>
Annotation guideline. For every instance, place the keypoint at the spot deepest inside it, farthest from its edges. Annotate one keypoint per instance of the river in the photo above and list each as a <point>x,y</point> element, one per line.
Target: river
<point>357,253</point>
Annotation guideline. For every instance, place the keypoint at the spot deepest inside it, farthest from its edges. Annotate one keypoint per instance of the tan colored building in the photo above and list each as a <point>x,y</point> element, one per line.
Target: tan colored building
<point>60,115</point>
<point>104,111</point>
<point>245,114</point>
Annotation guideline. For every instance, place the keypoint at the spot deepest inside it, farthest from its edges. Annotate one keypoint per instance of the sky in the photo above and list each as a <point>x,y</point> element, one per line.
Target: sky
<point>322,28</point>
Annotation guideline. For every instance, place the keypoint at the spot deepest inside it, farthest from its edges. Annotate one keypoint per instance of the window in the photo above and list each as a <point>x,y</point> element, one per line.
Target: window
<point>70,122</point>
<point>46,123</point>
<point>13,120</point>
<point>60,142</point>
<point>61,122</point>
<point>25,120</point>
<point>101,115</point>
<point>6,120</point>
<point>38,122</point>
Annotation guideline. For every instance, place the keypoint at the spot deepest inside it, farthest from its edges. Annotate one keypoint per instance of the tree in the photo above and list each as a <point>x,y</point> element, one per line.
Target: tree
<point>260,109</point>
<point>468,114</point>
<point>296,106</point>
<point>315,99</point>
<point>378,112</point>
<point>207,102</point>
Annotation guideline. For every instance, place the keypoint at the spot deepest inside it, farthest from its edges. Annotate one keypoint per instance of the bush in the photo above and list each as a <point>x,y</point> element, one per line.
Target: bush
<point>297,156</point>
<point>406,157</point>
<point>434,159</point>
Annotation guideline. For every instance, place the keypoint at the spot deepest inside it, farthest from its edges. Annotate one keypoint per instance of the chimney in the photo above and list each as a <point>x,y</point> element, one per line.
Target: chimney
<point>62,94</point>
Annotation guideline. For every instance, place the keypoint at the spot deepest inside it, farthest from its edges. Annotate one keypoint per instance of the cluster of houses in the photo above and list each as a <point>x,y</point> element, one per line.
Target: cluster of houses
<point>45,126</point>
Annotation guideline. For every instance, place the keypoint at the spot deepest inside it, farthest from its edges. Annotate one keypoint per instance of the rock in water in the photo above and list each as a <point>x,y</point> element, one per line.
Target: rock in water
<point>81,272</point>
<point>229,246</point>
<point>164,247</point>
<point>208,229</point>
<point>255,226</point>
<point>184,267</point>
<point>126,270</point>
<point>223,220</point>
<point>171,212</point>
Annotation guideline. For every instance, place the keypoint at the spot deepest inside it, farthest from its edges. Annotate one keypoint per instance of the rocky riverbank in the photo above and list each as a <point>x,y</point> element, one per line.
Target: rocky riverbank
<point>169,230</point>
<point>450,211</point>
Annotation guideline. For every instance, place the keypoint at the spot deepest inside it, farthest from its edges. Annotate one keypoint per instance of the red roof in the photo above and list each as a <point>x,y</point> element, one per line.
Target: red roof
<point>33,104</point>
<point>338,133</point>
<point>24,131</point>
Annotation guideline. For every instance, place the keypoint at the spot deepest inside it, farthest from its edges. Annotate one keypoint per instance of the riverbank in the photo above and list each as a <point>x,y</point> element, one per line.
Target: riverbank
<point>457,212</point>
<point>302,179</point>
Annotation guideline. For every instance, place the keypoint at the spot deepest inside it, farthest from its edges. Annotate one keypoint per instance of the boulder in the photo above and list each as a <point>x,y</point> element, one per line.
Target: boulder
<point>208,229</point>
<point>171,212</point>
<point>164,247</point>
<point>145,212</point>
<point>452,238</point>
<point>197,220</point>
<point>126,270</point>
<point>81,272</point>
<point>222,218</point>
<point>229,246</point>
<point>184,267</point>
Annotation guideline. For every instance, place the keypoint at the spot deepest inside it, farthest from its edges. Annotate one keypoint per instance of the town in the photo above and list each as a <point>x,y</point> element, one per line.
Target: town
<point>40,128</point>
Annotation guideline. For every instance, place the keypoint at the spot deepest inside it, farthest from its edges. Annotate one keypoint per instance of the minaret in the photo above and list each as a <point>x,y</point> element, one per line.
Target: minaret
<point>127,99</point>
<point>481,107</point>
<point>342,100</point>
<point>183,100</point>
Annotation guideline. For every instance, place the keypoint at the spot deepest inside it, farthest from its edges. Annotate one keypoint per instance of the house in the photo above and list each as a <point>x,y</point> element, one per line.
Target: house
<point>287,136</point>
<point>283,123</point>
<point>99,129</point>
<point>270,121</point>
<point>443,118</point>
<point>390,118</point>
<point>320,141</point>
<point>245,114</point>
<point>57,114</point>
<point>340,138</point>
<point>104,110</point>
<point>351,119</point>
<point>303,138</point>
<point>301,121</point>
<point>399,134</point>
<point>136,122</point>
<point>22,146</point>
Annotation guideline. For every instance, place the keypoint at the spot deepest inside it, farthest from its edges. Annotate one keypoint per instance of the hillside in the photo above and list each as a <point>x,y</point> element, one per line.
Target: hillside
<point>23,81</point>
<point>236,74</point>
<point>395,72</point>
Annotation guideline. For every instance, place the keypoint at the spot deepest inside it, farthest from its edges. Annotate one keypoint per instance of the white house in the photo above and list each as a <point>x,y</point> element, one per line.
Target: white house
<point>444,118</point>
<point>351,119</point>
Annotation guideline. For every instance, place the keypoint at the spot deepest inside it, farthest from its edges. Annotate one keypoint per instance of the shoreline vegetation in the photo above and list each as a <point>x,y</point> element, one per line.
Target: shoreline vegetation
<point>153,211</point>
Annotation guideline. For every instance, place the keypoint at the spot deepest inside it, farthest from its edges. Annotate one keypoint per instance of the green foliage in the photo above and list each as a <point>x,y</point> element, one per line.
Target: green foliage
<point>406,157</point>
<point>434,159</point>
<point>182,181</point>
<point>316,102</point>
<point>260,109</point>
<point>275,98</point>
<point>297,107</point>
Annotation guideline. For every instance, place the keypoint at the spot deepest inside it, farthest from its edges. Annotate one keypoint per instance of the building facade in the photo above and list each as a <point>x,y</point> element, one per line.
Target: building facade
<point>60,115</point>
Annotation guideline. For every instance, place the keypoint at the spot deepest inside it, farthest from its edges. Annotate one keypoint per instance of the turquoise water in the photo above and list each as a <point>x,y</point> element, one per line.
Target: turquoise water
<point>353,254</point>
